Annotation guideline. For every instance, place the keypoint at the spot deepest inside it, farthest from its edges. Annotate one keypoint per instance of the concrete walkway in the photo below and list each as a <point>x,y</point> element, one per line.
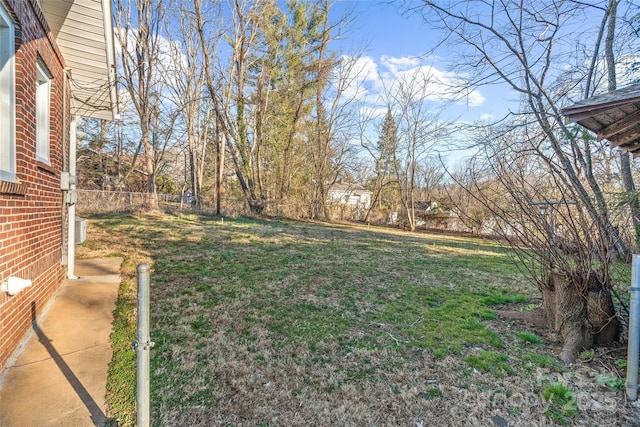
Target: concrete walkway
<point>59,378</point>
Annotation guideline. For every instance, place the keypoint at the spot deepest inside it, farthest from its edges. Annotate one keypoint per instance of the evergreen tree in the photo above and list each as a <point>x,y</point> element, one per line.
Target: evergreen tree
<point>387,145</point>
<point>385,163</point>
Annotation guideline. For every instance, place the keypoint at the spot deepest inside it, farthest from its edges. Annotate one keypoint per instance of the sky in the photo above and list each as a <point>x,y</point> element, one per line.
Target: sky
<point>395,44</point>
<point>399,42</point>
<point>394,47</point>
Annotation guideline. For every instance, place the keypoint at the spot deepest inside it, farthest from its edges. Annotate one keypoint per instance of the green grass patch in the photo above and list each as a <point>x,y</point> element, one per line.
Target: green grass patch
<point>537,360</point>
<point>505,297</point>
<point>561,403</point>
<point>306,323</point>
<point>432,393</point>
<point>490,361</point>
<point>611,381</point>
<point>587,355</point>
<point>529,337</point>
<point>249,315</point>
<point>121,387</point>
<point>443,321</point>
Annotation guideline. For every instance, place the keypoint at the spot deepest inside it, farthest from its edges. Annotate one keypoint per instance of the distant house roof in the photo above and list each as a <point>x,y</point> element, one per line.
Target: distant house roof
<point>83,31</point>
<point>614,116</point>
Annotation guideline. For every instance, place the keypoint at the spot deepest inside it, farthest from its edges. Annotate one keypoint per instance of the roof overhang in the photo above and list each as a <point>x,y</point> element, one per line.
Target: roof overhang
<point>83,31</point>
<point>614,116</point>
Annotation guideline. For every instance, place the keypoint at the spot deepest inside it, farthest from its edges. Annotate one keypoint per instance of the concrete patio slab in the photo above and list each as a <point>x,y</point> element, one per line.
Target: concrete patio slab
<point>59,375</point>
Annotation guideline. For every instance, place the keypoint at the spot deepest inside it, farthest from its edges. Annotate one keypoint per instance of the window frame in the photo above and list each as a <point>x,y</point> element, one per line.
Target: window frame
<point>43,114</point>
<point>7,97</point>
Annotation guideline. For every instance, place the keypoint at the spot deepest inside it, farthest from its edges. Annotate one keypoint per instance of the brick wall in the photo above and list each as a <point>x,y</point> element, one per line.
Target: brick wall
<point>31,207</point>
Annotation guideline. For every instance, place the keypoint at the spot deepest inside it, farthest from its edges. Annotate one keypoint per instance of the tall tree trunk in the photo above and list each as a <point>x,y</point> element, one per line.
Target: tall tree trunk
<point>150,169</point>
<point>193,165</point>
<point>139,65</point>
<point>625,162</point>
<point>630,189</point>
<point>220,147</point>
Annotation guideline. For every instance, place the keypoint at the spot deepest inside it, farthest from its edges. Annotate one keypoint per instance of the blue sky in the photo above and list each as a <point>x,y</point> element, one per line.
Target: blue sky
<point>398,48</point>
<point>397,43</point>
<point>394,47</point>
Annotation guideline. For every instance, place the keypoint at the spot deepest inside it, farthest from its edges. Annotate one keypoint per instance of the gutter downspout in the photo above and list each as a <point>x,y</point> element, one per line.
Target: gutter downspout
<point>65,78</point>
<point>73,197</point>
<point>111,59</point>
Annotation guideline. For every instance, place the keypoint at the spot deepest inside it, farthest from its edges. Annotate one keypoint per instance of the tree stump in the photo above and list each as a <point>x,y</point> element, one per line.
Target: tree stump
<point>566,312</point>
<point>574,326</point>
<point>605,326</point>
<point>549,304</point>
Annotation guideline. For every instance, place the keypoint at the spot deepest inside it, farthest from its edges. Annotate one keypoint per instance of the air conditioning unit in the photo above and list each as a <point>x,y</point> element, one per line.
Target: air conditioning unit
<point>81,230</point>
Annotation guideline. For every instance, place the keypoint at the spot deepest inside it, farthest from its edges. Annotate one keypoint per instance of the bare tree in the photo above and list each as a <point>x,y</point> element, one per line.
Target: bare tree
<point>226,88</point>
<point>420,129</point>
<point>551,234</point>
<point>430,175</point>
<point>138,34</point>
<point>323,127</point>
<point>465,199</point>
<point>333,122</point>
<point>186,79</point>
<point>272,93</point>
<point>95,154</point>
<point>524,44</point>
<point>519,43</point>
<point>219,90</point>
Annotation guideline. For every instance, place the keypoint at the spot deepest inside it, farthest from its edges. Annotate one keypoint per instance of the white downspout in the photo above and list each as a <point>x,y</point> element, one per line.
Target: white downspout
<point>65,170</point>
<point>73,197</point>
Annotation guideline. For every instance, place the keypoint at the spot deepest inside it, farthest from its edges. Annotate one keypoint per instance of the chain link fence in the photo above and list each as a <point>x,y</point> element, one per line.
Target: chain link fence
<point>101,202</point>
<point>98,201</point>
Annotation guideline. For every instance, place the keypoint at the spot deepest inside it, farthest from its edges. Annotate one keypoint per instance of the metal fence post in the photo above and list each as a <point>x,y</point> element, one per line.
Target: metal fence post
<point>634,325</point>
<point>143,347</point>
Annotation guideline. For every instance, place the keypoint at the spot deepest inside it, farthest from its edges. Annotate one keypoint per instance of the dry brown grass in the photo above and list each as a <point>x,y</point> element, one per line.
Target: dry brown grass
<point>292,324</point>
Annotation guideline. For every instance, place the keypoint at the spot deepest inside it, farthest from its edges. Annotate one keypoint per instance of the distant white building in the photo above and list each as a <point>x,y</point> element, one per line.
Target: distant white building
<point>350,195</point>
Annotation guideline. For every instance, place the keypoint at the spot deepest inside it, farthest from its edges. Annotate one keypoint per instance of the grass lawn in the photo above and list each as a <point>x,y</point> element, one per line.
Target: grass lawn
<point>282,323</point>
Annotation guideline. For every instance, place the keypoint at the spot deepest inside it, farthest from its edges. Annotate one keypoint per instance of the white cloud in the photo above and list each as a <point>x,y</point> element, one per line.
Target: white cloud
<point>396,65</point>
<point>354,76</point>
<point>475,98</point>
<point>373,112</point>
<point>375,81</point>
<point>368,68</point>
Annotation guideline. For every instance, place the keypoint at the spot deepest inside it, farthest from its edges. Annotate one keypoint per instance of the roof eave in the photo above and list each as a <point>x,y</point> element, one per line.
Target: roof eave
<point>83,32</point>
<point>111,58</point>
<point>614,116</point>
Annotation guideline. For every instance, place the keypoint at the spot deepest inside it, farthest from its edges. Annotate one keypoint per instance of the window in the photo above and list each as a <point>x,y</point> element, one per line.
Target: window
<point>43,90</point>
<point>7,103</point>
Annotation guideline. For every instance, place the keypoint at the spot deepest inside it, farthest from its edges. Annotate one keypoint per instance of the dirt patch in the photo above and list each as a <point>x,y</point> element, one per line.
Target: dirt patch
<point>522,317</point>
<point>534,318</point>
<point>526,316</point>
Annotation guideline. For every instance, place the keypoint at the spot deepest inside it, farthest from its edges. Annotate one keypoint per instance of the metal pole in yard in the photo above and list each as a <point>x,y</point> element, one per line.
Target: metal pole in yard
<point>143,347</point>
<point>634,324</point>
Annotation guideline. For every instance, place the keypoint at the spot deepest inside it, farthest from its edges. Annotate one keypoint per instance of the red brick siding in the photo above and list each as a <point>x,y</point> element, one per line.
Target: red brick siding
<point>31,212</point>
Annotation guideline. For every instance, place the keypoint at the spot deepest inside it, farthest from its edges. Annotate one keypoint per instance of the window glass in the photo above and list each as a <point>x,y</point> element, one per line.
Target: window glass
<point>43,91</point>
<point>7,104</point>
